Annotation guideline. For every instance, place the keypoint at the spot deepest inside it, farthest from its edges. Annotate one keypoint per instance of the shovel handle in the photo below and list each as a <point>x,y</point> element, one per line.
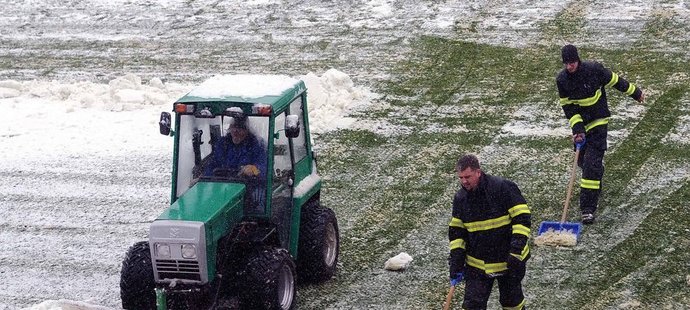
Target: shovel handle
<point>449,298</point>
<point>569,191</point>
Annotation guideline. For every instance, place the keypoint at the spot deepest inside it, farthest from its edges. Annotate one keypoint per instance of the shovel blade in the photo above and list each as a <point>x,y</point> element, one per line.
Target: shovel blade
<point>575,228</point>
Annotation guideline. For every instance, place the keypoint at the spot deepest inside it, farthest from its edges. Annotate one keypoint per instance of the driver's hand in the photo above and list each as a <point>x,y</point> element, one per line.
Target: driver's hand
<point>249,170</point>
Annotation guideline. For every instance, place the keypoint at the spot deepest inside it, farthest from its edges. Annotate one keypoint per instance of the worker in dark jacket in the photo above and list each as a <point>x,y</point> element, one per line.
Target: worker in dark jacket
<point>488,236</point>
<point>583,98</point>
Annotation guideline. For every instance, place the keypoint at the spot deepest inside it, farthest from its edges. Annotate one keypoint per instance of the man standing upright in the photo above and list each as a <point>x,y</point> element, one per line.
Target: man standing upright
<point>583,99</point>
<point>488,236</point>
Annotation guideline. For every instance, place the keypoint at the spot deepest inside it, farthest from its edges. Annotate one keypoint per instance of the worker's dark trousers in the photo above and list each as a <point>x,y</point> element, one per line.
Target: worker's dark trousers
<point>591,160</point>
<point>478,288</point>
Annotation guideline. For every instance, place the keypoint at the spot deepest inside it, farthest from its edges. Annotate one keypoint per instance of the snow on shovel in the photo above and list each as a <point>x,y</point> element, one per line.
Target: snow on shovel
<point>562,233</point>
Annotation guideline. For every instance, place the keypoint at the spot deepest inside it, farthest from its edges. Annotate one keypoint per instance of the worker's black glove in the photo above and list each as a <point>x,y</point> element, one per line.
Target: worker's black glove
<point>516,267</point>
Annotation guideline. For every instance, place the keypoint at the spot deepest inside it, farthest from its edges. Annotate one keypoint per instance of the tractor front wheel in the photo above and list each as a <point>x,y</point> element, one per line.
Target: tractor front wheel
<point>270,280</point>
<point>136,278</point>
<point>319,243</point>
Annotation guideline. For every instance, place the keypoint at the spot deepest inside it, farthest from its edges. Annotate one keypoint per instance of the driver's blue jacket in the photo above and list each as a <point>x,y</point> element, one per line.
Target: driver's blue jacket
<point>232,156</point>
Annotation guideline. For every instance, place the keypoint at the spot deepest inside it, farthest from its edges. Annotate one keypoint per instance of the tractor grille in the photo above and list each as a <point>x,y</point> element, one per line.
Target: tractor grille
<point>178,269</point>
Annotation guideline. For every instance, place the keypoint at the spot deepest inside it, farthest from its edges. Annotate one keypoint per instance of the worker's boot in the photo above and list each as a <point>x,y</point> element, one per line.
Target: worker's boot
<point>587,218</point>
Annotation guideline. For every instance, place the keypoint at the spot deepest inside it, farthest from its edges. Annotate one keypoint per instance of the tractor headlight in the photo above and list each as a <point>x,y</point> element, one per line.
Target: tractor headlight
<point>188,251</point>
<point>163,250</point>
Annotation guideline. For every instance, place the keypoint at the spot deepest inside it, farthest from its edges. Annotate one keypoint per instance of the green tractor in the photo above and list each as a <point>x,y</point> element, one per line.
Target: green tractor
<point>236,237</point>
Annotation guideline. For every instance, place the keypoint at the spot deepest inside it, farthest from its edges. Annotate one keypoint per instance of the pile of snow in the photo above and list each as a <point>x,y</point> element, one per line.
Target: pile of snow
<point>398,262</point>
<point>565,237</point>
<point>125,93</point>
<point>332,96</point>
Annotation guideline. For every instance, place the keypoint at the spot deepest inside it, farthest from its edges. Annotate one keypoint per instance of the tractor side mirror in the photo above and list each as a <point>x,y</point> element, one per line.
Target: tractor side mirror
<point>165,123</point>
<point>292,126</point>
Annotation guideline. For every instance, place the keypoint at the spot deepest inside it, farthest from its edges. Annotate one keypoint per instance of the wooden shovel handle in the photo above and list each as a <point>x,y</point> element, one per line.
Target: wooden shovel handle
<point>569,191</point>
<point>449,298</point>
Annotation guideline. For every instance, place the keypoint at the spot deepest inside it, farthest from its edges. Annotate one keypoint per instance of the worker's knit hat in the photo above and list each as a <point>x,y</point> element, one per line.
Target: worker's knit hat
<point>569,54</point>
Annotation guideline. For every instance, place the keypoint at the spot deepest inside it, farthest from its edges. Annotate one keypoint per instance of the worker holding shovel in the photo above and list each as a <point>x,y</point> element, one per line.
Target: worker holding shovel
<point>488,235</point>
<point>583,99</point>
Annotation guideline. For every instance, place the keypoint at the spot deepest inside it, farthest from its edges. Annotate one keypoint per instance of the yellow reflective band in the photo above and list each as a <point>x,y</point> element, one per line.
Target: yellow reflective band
<point>488,268</point>
<point>565,101</point>
<point>577,118</point>
<point>614,80</point>
<point>523,253</point>
<point>518,209</point>
<point>521,229</point>
<point>590,184</point>
<point>488,224</point>
<point>456,222</point>
<point>588,101</point>
<point>596,122</point>
<point>520,306</point>
<point>631,89</point>
<point>457,244</point>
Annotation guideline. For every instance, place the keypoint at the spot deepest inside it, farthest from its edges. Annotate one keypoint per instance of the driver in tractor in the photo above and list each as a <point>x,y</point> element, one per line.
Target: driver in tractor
<point>240,155</point>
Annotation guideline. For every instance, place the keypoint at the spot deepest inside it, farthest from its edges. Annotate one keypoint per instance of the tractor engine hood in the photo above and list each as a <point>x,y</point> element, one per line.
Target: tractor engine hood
<point>206,202</point>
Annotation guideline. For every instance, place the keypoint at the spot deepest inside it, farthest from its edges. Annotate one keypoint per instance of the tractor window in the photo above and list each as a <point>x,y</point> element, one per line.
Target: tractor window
<point>206,151</point>
<point>282,163</point>
<point>299,143</point>
<point>194,133</point>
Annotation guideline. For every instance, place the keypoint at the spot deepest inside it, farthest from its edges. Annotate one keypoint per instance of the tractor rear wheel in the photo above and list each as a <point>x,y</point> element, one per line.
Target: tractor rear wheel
<point>136,278</point>
<point>269,280</point>
<point>319,243</point>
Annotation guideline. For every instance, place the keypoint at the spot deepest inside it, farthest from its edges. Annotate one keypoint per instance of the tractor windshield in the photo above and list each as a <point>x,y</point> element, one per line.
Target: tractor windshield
<point>222,149</point>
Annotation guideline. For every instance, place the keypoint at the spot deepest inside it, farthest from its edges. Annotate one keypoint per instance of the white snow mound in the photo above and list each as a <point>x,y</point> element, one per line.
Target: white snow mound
<point>398,262</point>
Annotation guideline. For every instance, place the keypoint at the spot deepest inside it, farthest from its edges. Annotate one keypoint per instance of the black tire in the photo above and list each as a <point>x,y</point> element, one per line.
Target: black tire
<point>269,281</point>
<point>319,243</point>
<point>137,284</point>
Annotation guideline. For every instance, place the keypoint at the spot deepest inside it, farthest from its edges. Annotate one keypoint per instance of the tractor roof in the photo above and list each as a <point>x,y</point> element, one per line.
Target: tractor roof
<point>275,90</point>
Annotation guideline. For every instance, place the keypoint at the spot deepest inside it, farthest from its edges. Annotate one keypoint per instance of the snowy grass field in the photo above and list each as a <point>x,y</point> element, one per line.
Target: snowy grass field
<point>84,170</point>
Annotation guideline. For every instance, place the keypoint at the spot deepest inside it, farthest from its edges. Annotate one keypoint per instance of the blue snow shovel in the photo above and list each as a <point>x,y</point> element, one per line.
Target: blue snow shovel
<point>564,226</point>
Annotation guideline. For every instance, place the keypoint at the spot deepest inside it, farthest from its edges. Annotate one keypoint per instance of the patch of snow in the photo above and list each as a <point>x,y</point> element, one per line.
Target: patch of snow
<point>243,85</point>
<point>306,184</point>
<point>398,262</point>
<point>532,121</point>
<point>681,132</point>
<point>63,304</point>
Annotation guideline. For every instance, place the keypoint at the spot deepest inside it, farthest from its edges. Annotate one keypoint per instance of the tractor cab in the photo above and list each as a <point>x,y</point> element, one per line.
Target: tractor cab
<point>232,138</point>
